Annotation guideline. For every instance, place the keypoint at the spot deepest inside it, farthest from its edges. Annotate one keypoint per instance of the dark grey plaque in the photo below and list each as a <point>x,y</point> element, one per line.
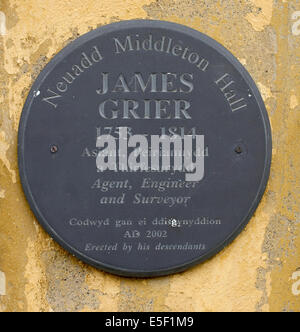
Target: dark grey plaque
<point>128,83</point>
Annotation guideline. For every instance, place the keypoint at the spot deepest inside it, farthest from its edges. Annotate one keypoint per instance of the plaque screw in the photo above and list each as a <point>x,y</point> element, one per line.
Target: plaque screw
<point>54,149</point>
<point>238,150</point>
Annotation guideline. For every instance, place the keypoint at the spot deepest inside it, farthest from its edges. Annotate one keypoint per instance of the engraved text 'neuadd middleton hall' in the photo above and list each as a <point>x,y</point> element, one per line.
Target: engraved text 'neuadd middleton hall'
<point>128,44</point>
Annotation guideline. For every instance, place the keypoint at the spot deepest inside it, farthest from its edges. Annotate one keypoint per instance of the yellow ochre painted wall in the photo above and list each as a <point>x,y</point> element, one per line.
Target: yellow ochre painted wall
<point>260,270</point>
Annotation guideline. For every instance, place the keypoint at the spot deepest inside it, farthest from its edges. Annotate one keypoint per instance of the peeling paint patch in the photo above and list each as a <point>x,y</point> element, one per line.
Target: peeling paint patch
<point>4,146</point>
<point>67,290</point>
<point>296,285</point>
<point>143,295</point>
<point>106,286</point>
<point>262,16</point>
<point>265,91</point>
<point>243,61</point>
<point>2,284</point>
<point>296,25</point>
<point>2,24</point>
<point>293,102</point>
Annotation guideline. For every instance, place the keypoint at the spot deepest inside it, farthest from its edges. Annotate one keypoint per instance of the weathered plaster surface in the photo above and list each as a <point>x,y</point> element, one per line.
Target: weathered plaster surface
<point>256,272</point>
<point>2,284</point>
<point>2,24</point>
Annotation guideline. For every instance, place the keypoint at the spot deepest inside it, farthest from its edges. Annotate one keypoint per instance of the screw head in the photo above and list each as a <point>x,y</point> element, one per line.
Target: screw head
<point>238,150</point>
<point>54,149</point>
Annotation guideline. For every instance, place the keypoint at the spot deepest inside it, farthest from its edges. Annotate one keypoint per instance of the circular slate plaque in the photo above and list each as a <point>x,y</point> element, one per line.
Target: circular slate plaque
<point>100,141</point>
